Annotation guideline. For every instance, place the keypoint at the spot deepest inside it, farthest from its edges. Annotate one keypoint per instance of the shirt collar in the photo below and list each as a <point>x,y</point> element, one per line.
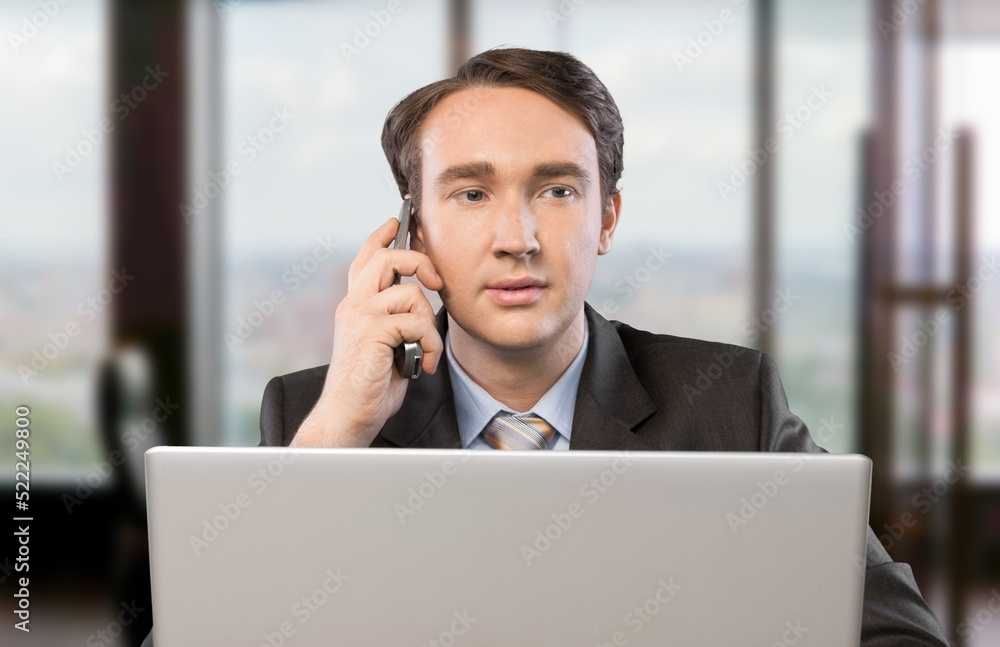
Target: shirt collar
<point>474,407</point>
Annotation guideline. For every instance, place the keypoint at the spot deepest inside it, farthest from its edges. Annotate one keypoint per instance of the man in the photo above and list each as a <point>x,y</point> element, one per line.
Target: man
<point>513,166</point>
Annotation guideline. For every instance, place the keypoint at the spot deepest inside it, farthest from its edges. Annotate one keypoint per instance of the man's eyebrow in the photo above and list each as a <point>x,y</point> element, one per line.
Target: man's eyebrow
<point>562,169</point>
<point>485,169</point>
<point>461,171</point>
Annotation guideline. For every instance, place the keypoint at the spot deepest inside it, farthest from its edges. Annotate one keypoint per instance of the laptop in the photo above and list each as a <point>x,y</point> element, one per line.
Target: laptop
<point>388,547</point>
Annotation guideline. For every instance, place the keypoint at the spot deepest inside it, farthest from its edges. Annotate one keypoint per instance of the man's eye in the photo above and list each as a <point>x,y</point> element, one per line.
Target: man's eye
<point>473,196</point>
<point>559,192</point>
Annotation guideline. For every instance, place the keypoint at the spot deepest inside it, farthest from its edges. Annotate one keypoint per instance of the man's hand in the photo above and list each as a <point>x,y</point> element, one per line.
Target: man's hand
<point>363,387</point>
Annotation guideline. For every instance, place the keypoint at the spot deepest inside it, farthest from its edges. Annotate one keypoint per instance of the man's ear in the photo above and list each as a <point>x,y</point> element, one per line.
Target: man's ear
<point>416,236</point>
<point>609,223</point>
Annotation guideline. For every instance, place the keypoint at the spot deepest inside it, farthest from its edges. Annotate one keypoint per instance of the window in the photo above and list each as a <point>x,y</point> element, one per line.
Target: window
<point>309,191</point>
<point>682,262</point>
<point>970,100</point>
<point>54,305</point>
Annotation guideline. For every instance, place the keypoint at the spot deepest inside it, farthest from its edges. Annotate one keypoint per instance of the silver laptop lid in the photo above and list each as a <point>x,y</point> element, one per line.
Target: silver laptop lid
<point>275,546</point>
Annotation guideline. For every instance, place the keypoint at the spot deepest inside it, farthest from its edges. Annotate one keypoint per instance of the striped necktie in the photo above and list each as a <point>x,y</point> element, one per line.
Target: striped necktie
<point>507,431</point>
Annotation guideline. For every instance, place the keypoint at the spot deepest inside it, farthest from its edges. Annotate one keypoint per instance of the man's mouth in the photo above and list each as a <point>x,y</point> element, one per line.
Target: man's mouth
<point>516,292</point>
<point>517,284</point>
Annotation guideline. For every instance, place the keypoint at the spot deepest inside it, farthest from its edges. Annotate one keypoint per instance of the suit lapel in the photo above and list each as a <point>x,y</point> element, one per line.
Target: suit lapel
<point>611,400</point>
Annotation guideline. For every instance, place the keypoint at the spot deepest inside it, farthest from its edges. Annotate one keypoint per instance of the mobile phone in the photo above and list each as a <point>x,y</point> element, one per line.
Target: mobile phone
<point>408,355</point>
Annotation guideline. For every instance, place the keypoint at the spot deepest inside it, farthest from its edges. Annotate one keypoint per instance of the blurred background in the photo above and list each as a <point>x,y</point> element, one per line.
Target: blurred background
<point>184,184</point>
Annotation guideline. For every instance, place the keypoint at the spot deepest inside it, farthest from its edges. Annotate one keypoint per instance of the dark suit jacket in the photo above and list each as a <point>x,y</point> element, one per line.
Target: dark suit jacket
<point>642,391</point>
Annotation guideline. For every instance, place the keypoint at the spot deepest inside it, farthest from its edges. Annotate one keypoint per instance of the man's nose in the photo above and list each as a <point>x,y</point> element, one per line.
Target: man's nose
<point>515,227</point>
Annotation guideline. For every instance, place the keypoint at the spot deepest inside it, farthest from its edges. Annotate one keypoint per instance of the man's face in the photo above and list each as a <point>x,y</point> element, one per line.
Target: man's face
<point>511,214</point>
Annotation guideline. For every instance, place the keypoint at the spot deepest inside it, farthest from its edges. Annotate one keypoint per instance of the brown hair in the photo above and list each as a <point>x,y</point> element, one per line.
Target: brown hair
<point>558,76</point>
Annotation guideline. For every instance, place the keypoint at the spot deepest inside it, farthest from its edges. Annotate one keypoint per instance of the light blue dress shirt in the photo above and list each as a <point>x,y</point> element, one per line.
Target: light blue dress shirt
<point>474,407</point>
